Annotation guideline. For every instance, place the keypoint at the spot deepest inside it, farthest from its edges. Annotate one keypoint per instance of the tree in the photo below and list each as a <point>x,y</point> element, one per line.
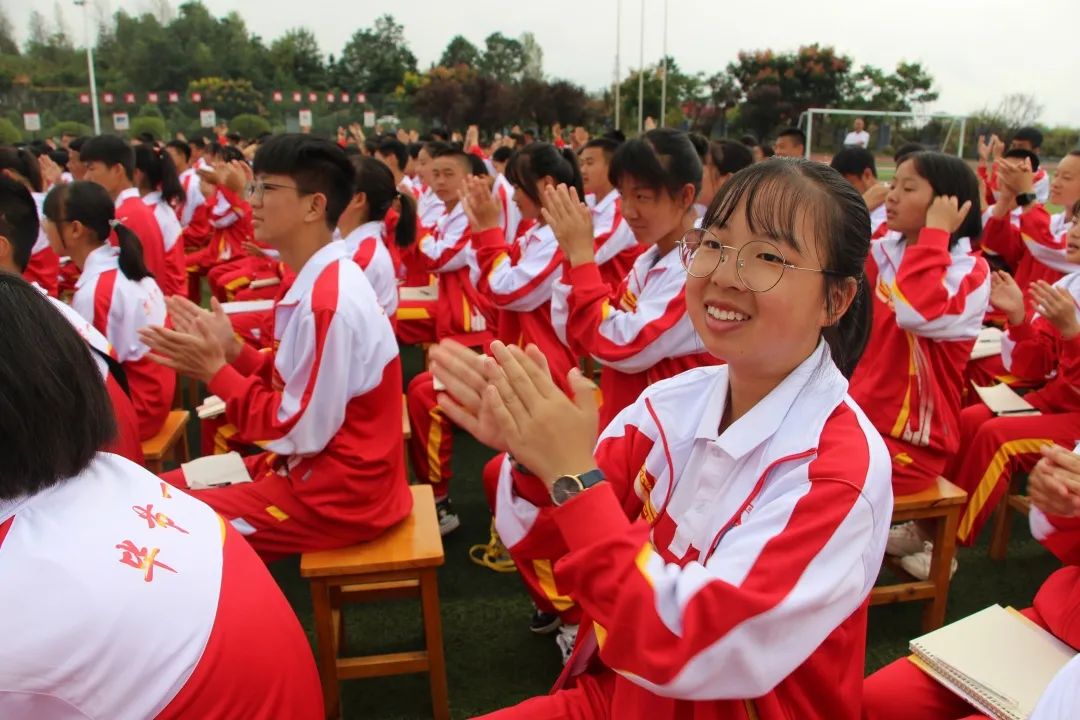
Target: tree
<point>909,85</point>
<point>460,51</point>
<point>249,126</point>
<point>297,59</point>
<point>8,46</point>
<point>680,88</point>
<point>503,59</point>
<point>228,97</point>
<point>533,56</point>
<point>376,60</point>
<point>9,133</point>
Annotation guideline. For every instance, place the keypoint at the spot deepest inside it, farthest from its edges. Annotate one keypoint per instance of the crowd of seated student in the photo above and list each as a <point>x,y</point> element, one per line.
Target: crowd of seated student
<point>745,316</point>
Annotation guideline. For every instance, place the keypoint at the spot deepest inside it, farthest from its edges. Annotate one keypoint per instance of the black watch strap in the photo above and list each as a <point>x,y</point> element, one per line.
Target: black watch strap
<point>1025,199</point>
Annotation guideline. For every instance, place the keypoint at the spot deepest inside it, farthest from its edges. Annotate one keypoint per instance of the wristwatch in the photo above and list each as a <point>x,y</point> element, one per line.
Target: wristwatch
<point>1025,199</point>
<point>568,486</point>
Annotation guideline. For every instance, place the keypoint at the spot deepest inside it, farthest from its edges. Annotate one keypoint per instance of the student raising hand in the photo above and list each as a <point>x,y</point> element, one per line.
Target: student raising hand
<point>479,204</point>
<point>1006,296</point>
<point>571,221</point>
<point>1054,482</point>
<point>1056,304</point>
<point>944,214</point>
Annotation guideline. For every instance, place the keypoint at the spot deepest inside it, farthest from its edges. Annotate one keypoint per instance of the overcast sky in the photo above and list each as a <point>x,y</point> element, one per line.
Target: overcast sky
<point>977,50</point>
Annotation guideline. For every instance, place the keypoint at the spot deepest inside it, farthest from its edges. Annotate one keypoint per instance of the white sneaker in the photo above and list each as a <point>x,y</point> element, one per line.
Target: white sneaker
<point>918,564</point>
<point>565,640</point>
<point>904,539</point>
<point>448,520</point>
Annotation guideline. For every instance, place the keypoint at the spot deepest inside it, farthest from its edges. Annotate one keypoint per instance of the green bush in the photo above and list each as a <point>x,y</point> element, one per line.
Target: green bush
<point>9,132</point>
<point>249,126</point>
<point>70,127</point>
<point>153,125</point>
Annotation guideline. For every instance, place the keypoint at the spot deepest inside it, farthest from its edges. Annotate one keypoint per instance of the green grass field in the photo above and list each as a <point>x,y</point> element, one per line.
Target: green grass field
<point>493,660</point>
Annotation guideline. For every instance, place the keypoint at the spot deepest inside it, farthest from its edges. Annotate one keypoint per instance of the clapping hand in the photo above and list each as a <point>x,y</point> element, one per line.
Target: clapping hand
<point>480,207</point>
<point>571,221</point>
<point>1054,482</point>
<point>1056,305</point>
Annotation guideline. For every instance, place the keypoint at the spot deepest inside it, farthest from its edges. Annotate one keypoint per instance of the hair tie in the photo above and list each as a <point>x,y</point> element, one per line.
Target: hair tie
<point>113,223</point>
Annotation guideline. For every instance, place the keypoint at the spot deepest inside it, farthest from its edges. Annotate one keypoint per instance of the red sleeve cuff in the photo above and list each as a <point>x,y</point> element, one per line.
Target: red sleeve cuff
<point>248,361</point>
<point>1021,332</point>
<point>490,238</point>
<point>226,382</point>
<point>593,516</point>
<point>585,275</point>
<point>934,237</point>
<point>1071,347</point>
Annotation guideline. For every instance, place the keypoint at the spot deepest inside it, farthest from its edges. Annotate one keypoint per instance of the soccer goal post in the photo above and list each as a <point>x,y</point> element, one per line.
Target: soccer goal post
<point>955,126</point>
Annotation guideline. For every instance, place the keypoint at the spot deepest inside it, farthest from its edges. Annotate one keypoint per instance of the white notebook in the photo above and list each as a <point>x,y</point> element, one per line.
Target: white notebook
<point>427,292</point>
<point>211,407</point>
<point>1003,400</point>
<point>241,306</point>
<point>988,344</point>
<point>997,660</point>
<point>215,471</point>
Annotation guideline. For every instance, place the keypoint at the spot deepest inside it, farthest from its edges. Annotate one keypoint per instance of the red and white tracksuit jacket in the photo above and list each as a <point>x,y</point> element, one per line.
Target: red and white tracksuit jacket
<point>641,333</point>
<point>118,308</point>
<point>1062,695</point>
<point>133,213</point>
<point>928,306</point>
<point>616,247</point>
<point>901,691</point>
<point>170,235</point>
<point>1041,186</point>
<point>700,551</point>
<point>44,266</point>
<point>126,598</point>
<point>193,197</point>
<point>509,213</point>
<point>230,227</point>
<point>326,405</point>
<point>367,247</point>
<point>993,449</point>
<point>460,308</point>
<point>878,222</point>
<point>1034,249</point>
<point>429,208</point>
<point>126,442</point>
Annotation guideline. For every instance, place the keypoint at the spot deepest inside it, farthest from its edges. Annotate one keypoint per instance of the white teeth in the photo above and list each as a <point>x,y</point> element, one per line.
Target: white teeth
<point>729,315</point>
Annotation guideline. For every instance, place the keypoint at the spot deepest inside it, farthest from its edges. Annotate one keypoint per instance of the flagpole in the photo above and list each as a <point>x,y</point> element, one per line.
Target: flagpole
<point>618,62</point>
<point>641,76</point>
<point>90,68</point>
<point>663,77</point>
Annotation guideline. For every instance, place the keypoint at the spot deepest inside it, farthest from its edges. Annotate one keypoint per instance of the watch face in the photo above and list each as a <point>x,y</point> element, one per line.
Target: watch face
<point>565,488</point>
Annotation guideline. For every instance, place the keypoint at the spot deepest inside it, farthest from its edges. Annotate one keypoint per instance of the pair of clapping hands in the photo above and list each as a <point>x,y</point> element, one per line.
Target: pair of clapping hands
<point>569,218</point>
<point>1053,303</point>
<point>199,343</point>
<point>1054,482</point>
<point>509,402</point>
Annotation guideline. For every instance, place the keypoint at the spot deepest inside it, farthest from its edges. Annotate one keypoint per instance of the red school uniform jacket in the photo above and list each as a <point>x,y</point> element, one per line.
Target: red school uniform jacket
<point>43,269</point>
<point>133,213</point>
<point>700,550</point>
<point>325,403</point>
<point>616,247</point>
<point>448,253</point>
<point>928,306</point>
<point>118,307</point>
<point>145,604</point>
<point>641,333</point>
<point>1034,249</point>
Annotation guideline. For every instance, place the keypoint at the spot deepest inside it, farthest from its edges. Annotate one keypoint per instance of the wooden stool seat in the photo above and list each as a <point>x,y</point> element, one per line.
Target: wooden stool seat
<point>940,505</point>
<point>402,562</point>
<point>171,438</point>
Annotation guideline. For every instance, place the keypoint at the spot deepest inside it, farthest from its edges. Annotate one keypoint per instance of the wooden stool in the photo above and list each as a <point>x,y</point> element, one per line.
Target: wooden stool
<point>1001,521</point>
<point>170,443</point>
<point>401,562</point>
<point>941,505</point>
<point>406,429</point>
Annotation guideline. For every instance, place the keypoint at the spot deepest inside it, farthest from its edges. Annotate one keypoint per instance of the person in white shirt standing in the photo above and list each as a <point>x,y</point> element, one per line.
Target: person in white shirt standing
<point>858,137</point>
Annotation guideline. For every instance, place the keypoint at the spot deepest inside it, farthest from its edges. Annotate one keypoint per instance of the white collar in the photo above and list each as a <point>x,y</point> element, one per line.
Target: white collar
<point>372,228</point>
<point>600,207</point>
<point>126,195</point>
<point>98,261</point>
<point>152,198</point>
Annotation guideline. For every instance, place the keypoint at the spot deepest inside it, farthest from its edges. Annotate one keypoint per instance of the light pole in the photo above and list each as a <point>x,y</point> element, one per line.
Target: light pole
<point>618,63</point>
<point>663,77</point>
<point>90,67</point>
<point>641,77</point>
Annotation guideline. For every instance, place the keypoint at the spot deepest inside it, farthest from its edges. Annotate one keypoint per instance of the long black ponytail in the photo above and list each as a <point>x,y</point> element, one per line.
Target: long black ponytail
<point>376,181</point>
<point>158,168</point>
<point>89,204</point>
<point>541,159</point>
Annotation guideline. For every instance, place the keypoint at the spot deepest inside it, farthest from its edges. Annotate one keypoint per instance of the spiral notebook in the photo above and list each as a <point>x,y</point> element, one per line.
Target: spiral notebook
<point>997,660</point>
<point>988,343</point>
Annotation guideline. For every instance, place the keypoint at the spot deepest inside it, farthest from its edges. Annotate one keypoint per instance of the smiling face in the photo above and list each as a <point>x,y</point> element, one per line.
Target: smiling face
<point>1065,189</point>
<point>907,201</point>
<point>761,333</point>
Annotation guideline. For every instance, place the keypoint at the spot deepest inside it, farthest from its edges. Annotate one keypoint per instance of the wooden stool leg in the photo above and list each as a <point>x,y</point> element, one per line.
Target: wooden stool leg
<point>326,650</point>
<point>1001,523</point>
<point>940,567</point>
<point>429,599</point>
<point>154,466</point>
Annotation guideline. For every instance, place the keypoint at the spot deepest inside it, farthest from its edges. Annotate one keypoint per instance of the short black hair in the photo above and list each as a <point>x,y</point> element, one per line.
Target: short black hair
<point>110,150</point>
<point>1029,134</point>
<point>55,413</point>
<point>748,140</point>
<point>449,151</point>
<point>906,149</point>
<point>541,159</point>
<point>700,143</point>
<point>729,156</point>
<point>22,162</point>
<point>793,132</point>
<point>77,143</point>
<point>854,161</point>
<point>315,164</point>
<point>949,175</point>
<point>181,147</point>
<point>147,137</point>
<point>502,154</point>
<point>663,159</point>
<point>1020,154</point>
<point>414,149</point>
<point>19,221</point>
<point>608,143</point>
<point>396,148</point>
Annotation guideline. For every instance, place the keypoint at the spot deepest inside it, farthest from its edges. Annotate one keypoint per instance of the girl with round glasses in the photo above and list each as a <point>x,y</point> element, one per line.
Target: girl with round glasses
<point>729,506</point>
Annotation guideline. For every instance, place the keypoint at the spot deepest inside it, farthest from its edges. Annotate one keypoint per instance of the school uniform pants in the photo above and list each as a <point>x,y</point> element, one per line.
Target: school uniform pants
<point>992,449</point>
<point>432,443</point>
<point>416,322</point>
<point>589,699</point>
